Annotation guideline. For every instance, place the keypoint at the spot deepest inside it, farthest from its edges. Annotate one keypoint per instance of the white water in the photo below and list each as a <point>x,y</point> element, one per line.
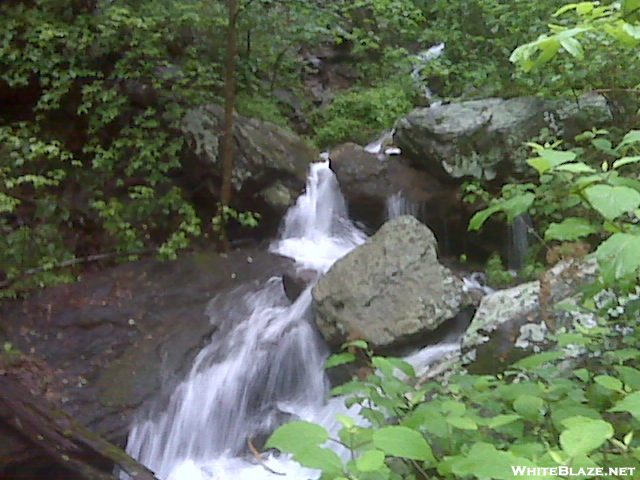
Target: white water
<point>263,366</point>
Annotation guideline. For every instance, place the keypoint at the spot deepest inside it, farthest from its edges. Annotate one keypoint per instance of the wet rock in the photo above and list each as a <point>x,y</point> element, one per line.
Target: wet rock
<point>267,156</point>
<point>368,183</point>
<point>115,338</point>
<point>483,139</point>
<point>513,323</point>
<point>389,290</point>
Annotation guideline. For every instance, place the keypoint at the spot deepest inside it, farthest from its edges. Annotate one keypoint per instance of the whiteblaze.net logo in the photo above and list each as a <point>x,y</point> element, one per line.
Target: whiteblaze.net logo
<point>529,472</point>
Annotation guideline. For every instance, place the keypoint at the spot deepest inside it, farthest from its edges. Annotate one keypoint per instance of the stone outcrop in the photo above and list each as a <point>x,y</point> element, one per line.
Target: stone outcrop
<point>118,337</point>
<point>513,323</point>
<point>389,290</point>
<point>370,184</point>
<point>483,139</point>
<point>270,161</point>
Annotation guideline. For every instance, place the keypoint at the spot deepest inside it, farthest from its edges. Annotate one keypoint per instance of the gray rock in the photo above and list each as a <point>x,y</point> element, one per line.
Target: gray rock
<point>483,139</point>
<point>389,289</point>
<point>265,154</point>
<point>513,323</point>
<point>124,335</point>
<point>368,182</point>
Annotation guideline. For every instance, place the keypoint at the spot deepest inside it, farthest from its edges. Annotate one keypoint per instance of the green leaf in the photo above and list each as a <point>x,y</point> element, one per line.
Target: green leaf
<point>630,376</point>
<point>339,359</point>
<point>612,202</point>
<point>570,229</point>
<point>355,343</point>
<point>633,136</point>
<point>632,30</point>
<point>625,161</point>
<point>584,435</point>
<point>575,167</point>
<point>371,461</point>
<point>573,46</point>
<point>319,458</point>
<point>511,207</point>
<point>618,256</point>
<point>528,406</point>
<point>403,366</point>
<point>463,423</point>
<point>609,382</point>
<point>402,442</point>
<point>296,436</point>
<point>630,403</point>
<point>485,461</point>
<point>502,420</point>
<point>538,359</point>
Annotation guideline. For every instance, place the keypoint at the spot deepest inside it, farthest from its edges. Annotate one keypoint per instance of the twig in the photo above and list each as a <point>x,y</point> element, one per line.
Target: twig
<point>258,457</point>
<point>69,263</point>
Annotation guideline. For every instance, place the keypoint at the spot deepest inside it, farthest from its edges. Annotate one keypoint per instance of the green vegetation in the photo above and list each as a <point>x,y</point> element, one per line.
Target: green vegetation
<point>576,405</point>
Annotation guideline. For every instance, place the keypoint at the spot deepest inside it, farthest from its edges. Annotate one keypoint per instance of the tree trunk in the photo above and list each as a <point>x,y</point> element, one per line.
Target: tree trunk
<point>62,438</point>
<point>229,94</point>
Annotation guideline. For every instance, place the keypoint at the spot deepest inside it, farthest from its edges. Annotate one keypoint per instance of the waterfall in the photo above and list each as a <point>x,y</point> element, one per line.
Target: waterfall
<point>398,205</point>
<point>263,365</point>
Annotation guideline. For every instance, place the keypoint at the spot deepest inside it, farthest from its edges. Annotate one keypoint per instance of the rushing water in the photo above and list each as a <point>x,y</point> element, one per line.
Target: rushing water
<point>263,367</point>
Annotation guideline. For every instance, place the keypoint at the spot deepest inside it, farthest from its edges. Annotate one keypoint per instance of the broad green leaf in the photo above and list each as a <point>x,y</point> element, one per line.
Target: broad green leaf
<point>485,461</point>
<point>549,159</point>
<point>296,436</point>
<point>584,435</point>
<point>612,202</point>
<point>371,461</point>
<point>403,366</point>
<point>402,442</point>
<point>630,376</point>
<point>625,161</point>
<point>570,229</point>
<point>630,403</point>
<point>511,207</point>
<point>573,46</point>
<point>355,343</point>
<point>631,30</point>
<point>528,406</point>
<point>319,458</point>
<point>609,382</point>
<point>463,423</point>
<point>538,359</point>
<point>339,359</point>
<point>561,411</point>
<point>633,136</point>
<point>618,255</point>
<point>501,420</point>
<point>575,167</point>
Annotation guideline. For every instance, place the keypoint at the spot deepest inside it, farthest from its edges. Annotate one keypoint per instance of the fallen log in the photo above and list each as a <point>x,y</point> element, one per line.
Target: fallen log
<point>62,438</point>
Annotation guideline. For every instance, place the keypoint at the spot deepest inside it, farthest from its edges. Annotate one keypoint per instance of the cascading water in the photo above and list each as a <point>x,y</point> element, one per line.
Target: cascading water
<point>263,365</point>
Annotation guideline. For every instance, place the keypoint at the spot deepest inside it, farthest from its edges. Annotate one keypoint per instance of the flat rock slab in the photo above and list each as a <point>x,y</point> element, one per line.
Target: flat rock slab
<point>118,336</point>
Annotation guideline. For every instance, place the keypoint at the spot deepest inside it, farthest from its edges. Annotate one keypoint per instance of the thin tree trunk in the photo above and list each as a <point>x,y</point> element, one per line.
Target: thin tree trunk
<point>62,438</point>
<point>229,94</point>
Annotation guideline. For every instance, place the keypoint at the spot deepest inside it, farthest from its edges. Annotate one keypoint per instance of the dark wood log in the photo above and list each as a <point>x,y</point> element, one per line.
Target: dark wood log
<point>62,438</point>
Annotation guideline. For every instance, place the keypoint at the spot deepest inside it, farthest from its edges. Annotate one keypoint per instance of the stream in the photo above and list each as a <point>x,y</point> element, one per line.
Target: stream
<point>264,364</point>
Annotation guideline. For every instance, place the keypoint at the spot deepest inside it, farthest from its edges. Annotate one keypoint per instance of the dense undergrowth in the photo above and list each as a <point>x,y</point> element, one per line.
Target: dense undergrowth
<point>94,92</point>
<point>570,412</point>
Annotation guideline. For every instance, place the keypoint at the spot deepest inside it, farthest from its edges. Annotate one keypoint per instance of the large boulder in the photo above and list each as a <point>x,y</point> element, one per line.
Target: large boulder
<point>377,189</point>
<point>389,290</point>
<point>270,162</point>
<point>513,323</point>
<point>483,139</point>
<point>121,336</point>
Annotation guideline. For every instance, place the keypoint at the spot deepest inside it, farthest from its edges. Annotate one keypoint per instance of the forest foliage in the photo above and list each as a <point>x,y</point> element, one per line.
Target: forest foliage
<point>575,406</point>
<point>95,91</point>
